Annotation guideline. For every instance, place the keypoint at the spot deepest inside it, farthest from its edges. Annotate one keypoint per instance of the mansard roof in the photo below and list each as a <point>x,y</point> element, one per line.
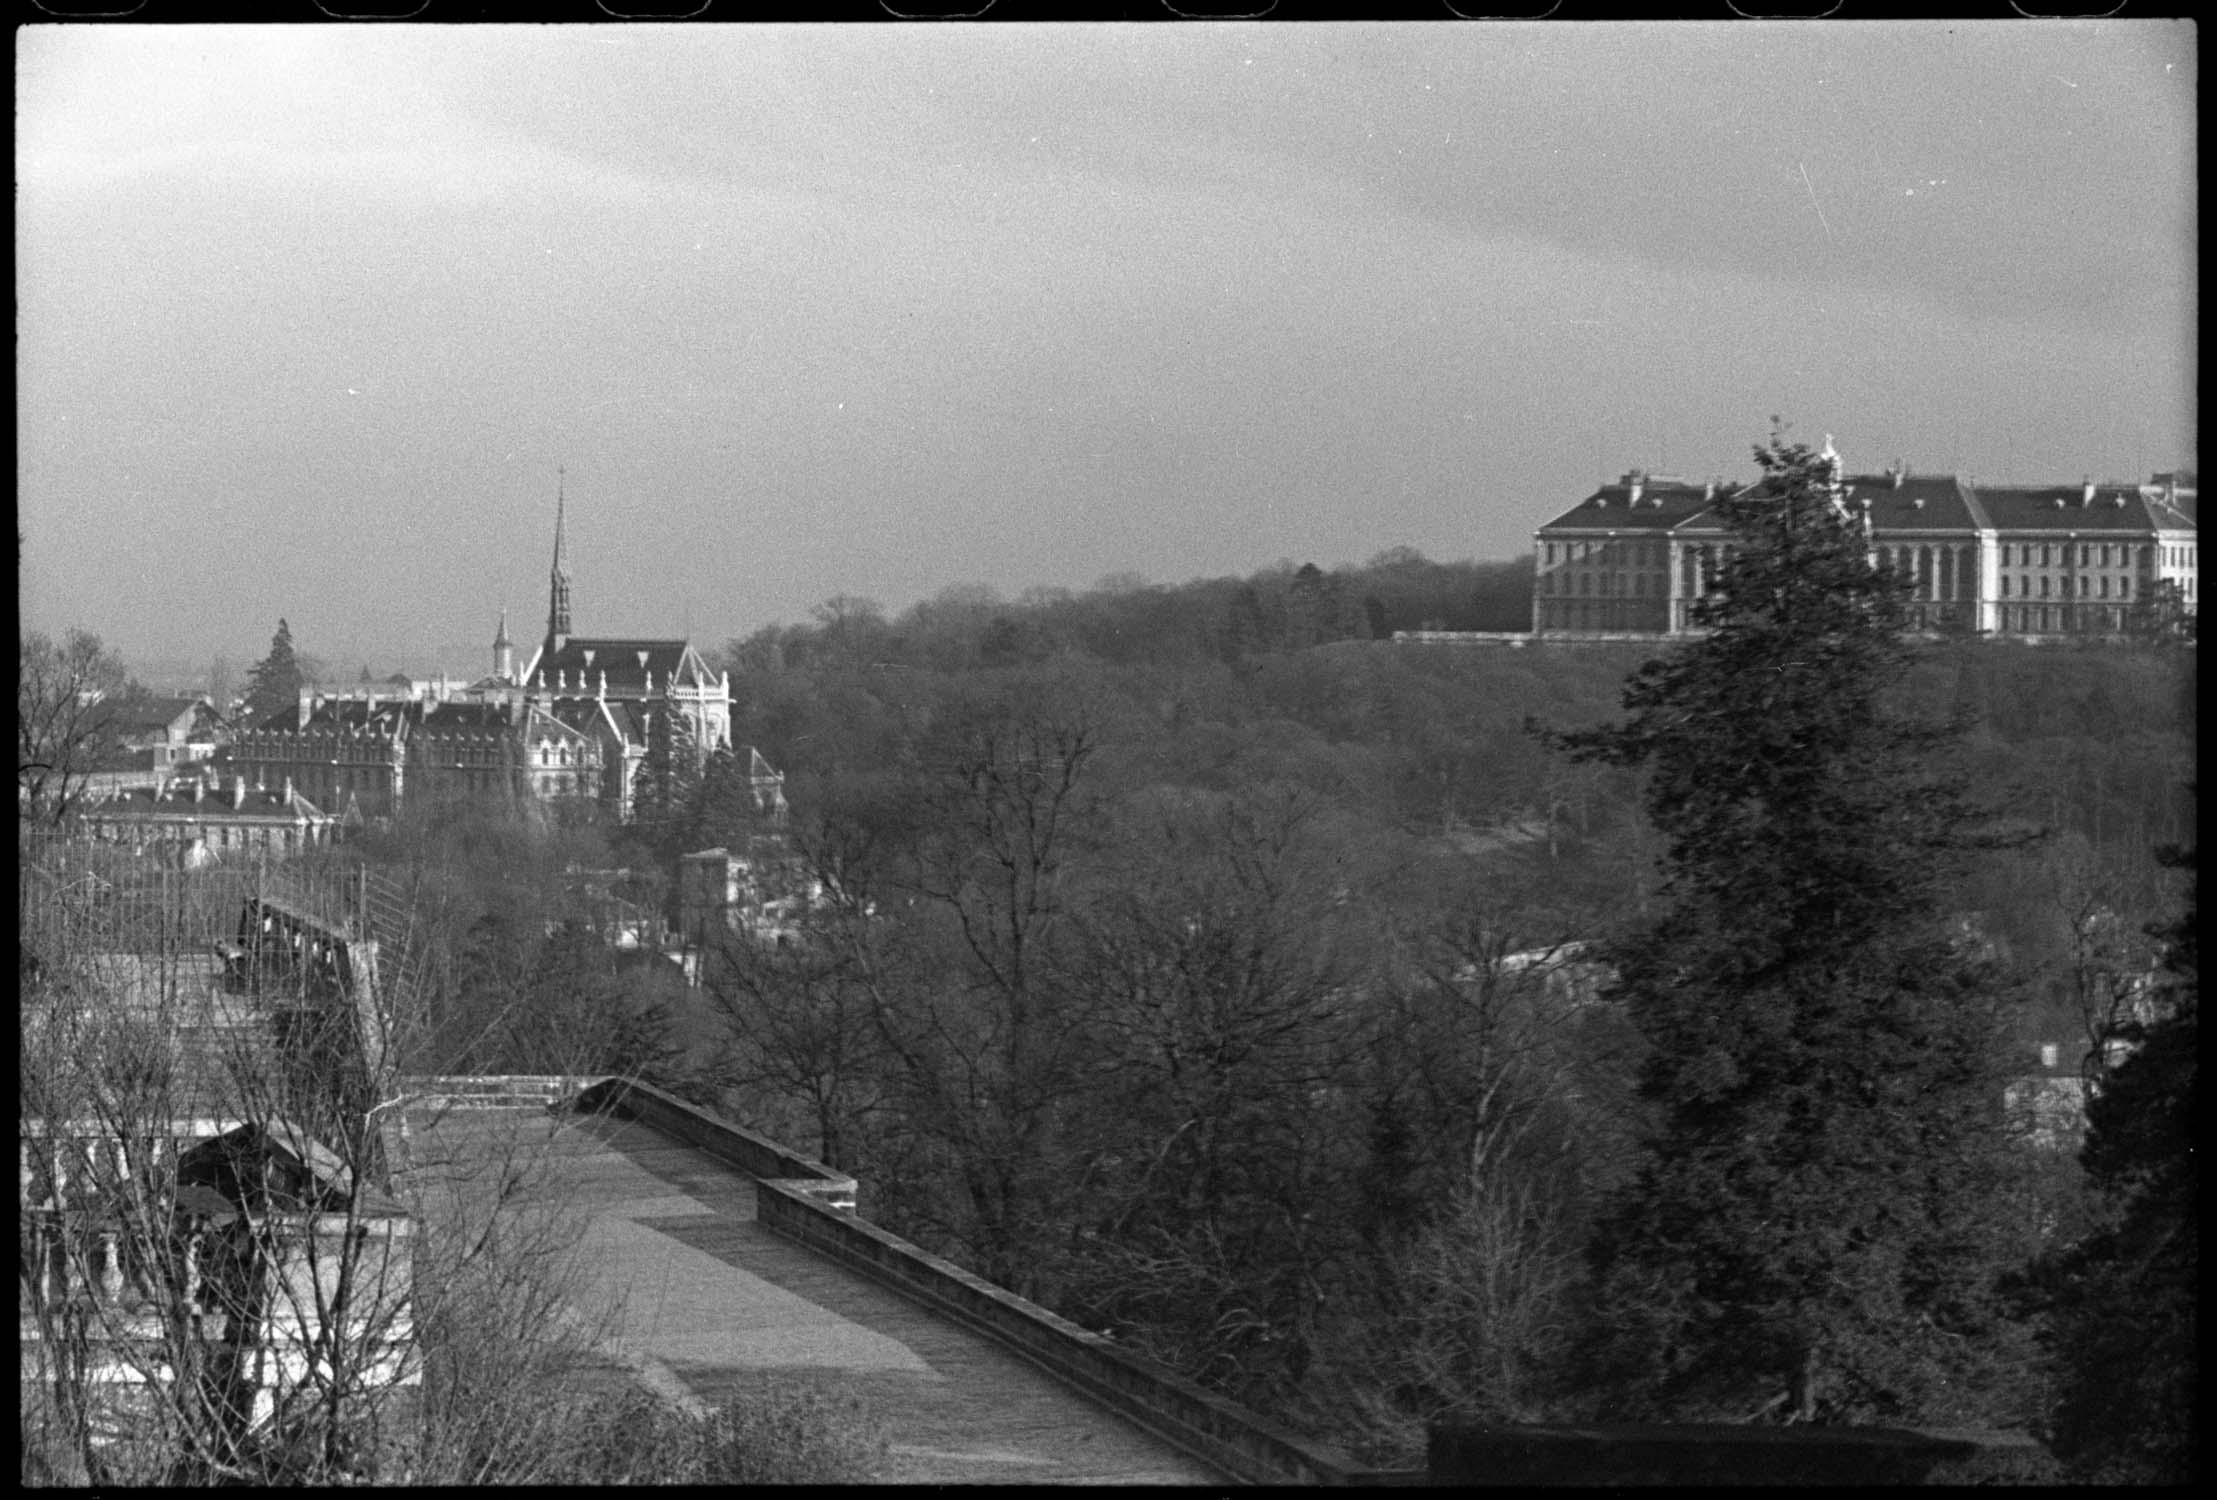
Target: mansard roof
<point>1907,504</point>
<point>464,718</point>
<point>2113,508</point>
<point>1662,503</point>
<point>2175,512</point>
<point>1918,502</point>
<point>219,801</point>
<point>385,715</point>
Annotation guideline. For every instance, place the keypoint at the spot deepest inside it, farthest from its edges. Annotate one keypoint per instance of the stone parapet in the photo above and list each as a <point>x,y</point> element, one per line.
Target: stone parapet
<point>813,1205</point>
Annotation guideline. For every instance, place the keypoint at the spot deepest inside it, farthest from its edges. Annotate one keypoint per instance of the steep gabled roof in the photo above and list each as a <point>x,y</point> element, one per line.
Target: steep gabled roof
<point>627,664</point>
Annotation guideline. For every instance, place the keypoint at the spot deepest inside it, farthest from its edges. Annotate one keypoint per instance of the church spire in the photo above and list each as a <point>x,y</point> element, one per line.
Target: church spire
<point>558,583</point>
<point>504,651</point>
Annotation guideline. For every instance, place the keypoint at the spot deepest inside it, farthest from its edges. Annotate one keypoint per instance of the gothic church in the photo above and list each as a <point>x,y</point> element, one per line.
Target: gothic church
<point>596,718</point>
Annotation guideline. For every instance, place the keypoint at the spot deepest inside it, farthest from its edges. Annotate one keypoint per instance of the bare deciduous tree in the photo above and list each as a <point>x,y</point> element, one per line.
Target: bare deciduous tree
<point>60,722</point>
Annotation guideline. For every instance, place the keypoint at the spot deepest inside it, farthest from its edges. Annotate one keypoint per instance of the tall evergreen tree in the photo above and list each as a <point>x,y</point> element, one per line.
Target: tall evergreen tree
<point>2126,1296</point>
<point>1815,1234</point>
<point>273,686</point>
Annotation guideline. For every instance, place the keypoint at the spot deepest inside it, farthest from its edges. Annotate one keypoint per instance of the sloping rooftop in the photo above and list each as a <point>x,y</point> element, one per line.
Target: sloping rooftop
<point>627,665</point>
<point>1661,504</point>
<point>712,1303</point>
<point>2112,507</point>
<point>1919,502</point>
<point>230,799</point>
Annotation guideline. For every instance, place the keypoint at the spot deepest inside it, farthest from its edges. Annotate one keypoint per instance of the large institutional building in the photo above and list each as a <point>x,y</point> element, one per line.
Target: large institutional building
<point>584,717</point>
<point>2038,561</point>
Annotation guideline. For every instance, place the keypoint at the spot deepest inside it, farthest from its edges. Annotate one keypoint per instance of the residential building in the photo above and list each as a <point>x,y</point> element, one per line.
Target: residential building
<point>161,734</point>
<point>2034,561</point>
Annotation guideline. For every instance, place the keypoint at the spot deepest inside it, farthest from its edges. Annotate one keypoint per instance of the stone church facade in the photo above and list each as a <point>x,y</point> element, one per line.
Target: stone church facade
<point>595,719</point>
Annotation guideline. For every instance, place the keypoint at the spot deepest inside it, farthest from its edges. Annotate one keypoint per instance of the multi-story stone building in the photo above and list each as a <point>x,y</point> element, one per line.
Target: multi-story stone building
<point>2033,561</point>
<point>585,717</point>
<point>199,819</point>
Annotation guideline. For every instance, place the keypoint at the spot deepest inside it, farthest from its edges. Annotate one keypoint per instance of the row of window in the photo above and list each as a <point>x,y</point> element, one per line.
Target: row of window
<point>2089,588</point>
<point>2054,619</point>
<point>2013,554</point>
<point>1629,554</point>
<point>1609,585</point>
<point>2090,555</point>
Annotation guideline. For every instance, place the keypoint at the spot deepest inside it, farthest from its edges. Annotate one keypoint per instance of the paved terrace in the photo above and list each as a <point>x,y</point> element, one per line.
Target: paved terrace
<point>713,1302</point>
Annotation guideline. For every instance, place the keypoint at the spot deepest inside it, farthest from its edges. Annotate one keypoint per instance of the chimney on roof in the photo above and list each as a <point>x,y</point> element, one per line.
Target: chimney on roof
<point>199,787</point>
<point>1897,472</point>
<point>307,704</point>
<point>238,792</point>
<point>288,791</point>
<point>1634,482</point>
<point>1709,491</point>
<point>2086,497</point>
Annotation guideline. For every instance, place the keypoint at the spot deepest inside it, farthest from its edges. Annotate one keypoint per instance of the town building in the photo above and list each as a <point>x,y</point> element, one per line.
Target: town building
<point>197,819</point>
<point>589,718</point>
<point>2052,561</point>
<point>160,734</point>
<point>190,1042</point>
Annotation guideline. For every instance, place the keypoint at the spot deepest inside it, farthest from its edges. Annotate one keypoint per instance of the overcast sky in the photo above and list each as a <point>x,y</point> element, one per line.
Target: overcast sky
<point>308,316</point>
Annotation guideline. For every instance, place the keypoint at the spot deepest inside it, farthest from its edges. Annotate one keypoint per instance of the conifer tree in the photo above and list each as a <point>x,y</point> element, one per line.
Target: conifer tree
<point>273,686</point>
<point>2127,1295</point>
<point>1816,1231</point>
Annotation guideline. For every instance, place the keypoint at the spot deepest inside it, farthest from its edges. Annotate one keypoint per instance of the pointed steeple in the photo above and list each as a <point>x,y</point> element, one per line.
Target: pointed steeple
<point>558,583</point>
<point>504,651</point>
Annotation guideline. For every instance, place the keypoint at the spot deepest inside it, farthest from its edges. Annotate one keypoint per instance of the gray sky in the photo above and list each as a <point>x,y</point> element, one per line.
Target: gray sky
<point>308,316</point>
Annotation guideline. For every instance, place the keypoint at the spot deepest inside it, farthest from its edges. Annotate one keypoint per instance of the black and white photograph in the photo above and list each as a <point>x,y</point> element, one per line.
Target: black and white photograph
<point>1187,752</point>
